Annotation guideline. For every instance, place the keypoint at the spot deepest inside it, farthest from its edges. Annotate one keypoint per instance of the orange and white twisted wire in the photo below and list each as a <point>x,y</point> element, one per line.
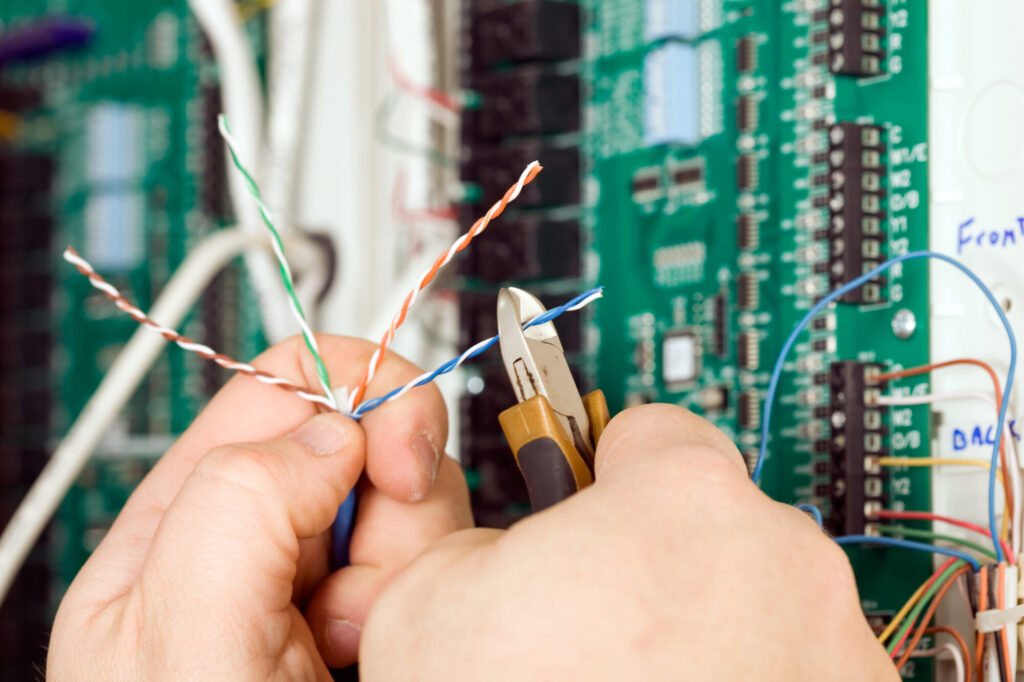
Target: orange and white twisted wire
<point>462,242</point>
<point>111,292</point>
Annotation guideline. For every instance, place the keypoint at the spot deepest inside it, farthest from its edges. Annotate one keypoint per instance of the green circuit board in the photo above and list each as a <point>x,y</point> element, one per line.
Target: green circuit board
<point>129,122</point>
<point>678,322</point>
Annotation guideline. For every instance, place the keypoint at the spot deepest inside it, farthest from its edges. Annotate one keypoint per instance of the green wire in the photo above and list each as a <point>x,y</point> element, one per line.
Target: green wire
<point>919,606</point>
<point>928,535</point>
<point>286,273</point>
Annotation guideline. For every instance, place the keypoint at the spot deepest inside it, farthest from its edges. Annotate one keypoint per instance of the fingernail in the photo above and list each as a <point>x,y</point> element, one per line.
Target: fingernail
<point>343,635</point>
<point>323,435</point>
<point>429,458</point>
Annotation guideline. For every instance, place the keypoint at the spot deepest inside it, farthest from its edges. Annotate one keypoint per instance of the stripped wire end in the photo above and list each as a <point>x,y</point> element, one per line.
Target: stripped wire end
<point>528,174</point>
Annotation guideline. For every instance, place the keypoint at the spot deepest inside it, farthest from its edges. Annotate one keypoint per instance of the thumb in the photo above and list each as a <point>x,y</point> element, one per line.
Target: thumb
<point>228,544</point>
<point>646,436</point>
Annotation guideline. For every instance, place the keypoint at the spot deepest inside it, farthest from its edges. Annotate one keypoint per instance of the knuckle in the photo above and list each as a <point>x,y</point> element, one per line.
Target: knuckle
<point>244,465</point>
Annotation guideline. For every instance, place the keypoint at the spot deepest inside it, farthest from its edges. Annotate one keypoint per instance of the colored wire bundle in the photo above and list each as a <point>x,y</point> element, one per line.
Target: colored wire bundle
<point>1012,485</point>
<point>928,516</point>
<point>856,283</point>
<point>461,243</point>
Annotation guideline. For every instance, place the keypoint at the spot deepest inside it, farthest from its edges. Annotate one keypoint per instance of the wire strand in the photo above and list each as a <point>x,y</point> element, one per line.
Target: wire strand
<point>773,383</point>
<point>1011,500</point>
<point>286,272</point>
<point>577,303</point>
<point>528,174</point>
<point>928,516</point>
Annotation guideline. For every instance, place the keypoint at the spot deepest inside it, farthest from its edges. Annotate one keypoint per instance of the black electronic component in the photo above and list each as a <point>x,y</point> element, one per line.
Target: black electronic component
<point>857,485</point>
<point>526,249</point>
<point>748,351</point>
<point>526,101</point>
<point>688,175</point>
<point>747,113</point>
<point>646,182</point>
<point>748,292</point>
<point>856,36</point>
<point>746,172</point>
<point>747,231</point>
<point>746,54</point>
<point>748,410</point>
<point>538,31</point>
<point>721,330</point>
<point>495,169</point>
<point>855,201</point>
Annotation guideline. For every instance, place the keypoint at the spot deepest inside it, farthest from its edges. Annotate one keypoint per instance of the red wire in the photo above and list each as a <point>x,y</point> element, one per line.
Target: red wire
<point>928,516</point>
<point>924,369</point>
<point>407,85</point>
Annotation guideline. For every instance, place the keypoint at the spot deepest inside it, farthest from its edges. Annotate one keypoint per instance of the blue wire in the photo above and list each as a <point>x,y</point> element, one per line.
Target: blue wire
<point>454,362</point>
<point>773,384</point>
<point>814,512</point>
<point>907,544</point>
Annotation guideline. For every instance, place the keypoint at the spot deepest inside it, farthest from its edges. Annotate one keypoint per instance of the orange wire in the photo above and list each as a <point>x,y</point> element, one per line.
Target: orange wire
<point>924,369</point>
<point>979,646</point>
<point>968,662</point>
<point>1001,596</point>
<point>479,226</point>
<point>919,633</point>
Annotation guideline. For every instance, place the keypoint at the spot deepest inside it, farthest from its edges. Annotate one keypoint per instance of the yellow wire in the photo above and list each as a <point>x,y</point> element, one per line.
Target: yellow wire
<point>902,613</point>
<point>9,124</point>
<point>251,8</point>
<point>935,461</point>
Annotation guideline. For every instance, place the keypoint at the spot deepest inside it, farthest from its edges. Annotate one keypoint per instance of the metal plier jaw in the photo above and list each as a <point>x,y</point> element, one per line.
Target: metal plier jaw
<point>553,431</point>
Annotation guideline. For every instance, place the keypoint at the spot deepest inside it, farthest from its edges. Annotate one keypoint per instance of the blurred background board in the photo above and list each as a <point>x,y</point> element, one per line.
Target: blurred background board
<point>116,138</point>
<point>700,180</point>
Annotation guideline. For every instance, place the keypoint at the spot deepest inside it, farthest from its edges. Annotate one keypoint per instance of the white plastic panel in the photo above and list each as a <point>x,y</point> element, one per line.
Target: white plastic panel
<point>976,148</point>
<point>977,215</point>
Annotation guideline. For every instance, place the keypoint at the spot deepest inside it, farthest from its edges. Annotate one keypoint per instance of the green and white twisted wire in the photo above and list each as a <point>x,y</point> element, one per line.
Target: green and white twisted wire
<point>286,271</point>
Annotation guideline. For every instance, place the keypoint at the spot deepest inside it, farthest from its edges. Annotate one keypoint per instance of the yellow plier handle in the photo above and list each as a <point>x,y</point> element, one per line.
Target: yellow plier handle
<point>551,465</point>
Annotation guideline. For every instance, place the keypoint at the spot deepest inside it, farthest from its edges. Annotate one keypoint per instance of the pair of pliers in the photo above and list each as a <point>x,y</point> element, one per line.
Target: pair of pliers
<point>553,431</point>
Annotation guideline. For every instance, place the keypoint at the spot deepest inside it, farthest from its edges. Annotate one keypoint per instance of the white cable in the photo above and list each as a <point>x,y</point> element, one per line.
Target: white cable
<point>204,261</point>
<point>292,41</point>
<point>242,102</point>
<point>947,648</point>
<point>1013,465</point>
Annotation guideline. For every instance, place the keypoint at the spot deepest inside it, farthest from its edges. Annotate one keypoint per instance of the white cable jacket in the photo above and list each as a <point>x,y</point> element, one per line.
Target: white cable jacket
<point>184,288</point>
<point>242,102</point>
<point>1013,465</point>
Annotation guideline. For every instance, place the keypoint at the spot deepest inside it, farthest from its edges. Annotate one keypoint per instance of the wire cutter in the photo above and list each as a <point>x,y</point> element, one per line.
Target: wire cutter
<point>552,430</point>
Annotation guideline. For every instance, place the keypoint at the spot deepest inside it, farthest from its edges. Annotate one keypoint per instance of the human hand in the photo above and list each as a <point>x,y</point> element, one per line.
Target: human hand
<point>205,571</point>
<point>672,566</point>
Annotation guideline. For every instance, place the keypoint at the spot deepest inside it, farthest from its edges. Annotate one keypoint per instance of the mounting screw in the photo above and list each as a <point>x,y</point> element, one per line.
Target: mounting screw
<point>904,323</point>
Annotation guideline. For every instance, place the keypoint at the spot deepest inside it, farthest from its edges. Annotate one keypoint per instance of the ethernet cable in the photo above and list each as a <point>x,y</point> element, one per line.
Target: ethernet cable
<point>773,383</point>
<point>119,383</point>
<point>242,100</point>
